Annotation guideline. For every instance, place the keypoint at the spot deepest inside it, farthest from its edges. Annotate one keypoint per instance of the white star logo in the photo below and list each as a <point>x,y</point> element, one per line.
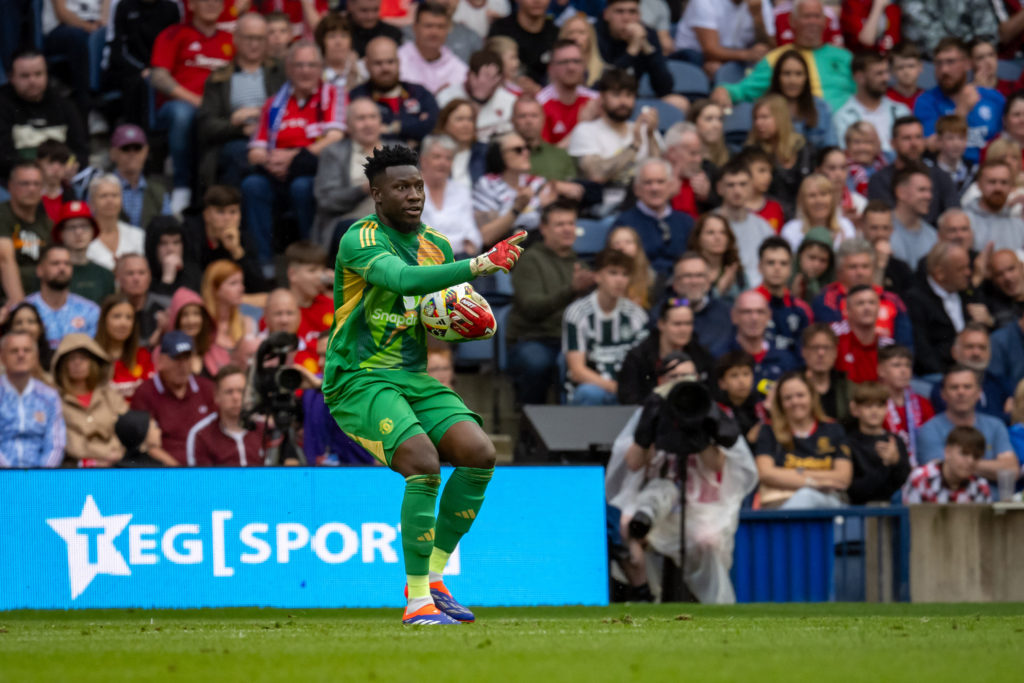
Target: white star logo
<point>90,538</point>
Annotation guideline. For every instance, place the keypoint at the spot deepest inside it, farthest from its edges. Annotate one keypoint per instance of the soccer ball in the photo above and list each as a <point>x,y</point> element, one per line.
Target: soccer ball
<point>436,310</point>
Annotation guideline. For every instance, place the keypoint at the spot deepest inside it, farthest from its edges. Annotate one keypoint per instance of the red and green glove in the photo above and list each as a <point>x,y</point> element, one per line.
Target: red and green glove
<point>472,318</point>
<point>502,256</point>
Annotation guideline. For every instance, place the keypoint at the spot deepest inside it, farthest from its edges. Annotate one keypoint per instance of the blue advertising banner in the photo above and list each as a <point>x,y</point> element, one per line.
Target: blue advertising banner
<point>286,537</point>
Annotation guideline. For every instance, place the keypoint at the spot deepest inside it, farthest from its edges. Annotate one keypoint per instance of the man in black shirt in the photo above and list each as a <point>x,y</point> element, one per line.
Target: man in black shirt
<point>890,272</point>
<point>535,34</point>
<point>137,23</point>
<point>626,43</point>
<point>364,16</point>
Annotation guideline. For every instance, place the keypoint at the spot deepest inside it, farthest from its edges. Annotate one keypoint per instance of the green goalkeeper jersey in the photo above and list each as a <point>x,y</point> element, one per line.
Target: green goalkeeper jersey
<point>379,277</point>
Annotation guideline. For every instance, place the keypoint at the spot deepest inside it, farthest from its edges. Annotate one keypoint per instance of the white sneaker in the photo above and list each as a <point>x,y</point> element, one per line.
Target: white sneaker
<point>181,198</point>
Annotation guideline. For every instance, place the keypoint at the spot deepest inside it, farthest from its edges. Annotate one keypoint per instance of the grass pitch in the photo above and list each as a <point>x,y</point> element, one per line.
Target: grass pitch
<point>762,643</point>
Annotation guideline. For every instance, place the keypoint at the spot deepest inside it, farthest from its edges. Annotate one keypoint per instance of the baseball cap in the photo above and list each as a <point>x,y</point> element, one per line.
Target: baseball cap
<point>127,134</point>
<point>176,343</point>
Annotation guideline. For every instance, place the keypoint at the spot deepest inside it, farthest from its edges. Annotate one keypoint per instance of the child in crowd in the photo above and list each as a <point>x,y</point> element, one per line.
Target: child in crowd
<point>952,479</point>
<point>760,166</point>
<point>305,264</point>
<point>895,368</point>
<point>951,132</point>
<point>880,460</point>
<point>54,159</point>
<point>735,374</point>
<point>864,156</point>
<point>906,65</point>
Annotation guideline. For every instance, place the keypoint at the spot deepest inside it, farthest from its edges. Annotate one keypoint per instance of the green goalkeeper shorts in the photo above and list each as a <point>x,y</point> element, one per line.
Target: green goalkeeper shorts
<point>380,409</point>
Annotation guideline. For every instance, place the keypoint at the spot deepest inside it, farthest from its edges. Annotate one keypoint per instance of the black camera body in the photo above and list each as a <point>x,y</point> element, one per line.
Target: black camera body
<point>272,383</point>
<point>690,421</point>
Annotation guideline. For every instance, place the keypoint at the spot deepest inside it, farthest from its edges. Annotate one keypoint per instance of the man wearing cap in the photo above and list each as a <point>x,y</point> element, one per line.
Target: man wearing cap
<point>61,311</point>
<point>142,198</point>
<point>175,397</point>
<point>75,229</point>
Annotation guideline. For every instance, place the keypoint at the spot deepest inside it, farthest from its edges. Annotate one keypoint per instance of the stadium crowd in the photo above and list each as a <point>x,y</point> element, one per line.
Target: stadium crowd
<point>815,208</point>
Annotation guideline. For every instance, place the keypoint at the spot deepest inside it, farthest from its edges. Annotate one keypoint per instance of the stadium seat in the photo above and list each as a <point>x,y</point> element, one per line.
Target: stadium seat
<point>501,314</point>
<point>591,235</point>
<point>736,126</point>
<point>1009,70</point>
<point>730,72</point>
<point>926,81</point>
<point>475,354</point>
<point>689,79</point>
<point>667,114</point>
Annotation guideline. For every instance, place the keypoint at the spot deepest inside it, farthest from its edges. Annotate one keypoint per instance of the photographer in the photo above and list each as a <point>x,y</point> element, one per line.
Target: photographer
<point>220,439</point>
<point>678,418</point>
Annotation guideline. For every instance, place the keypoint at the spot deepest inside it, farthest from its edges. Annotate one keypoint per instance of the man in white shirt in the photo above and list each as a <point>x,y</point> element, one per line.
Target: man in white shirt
<point>713,32</point>
<point>871,74</point>
<point>426,60</point>
<point>483,87</point>
<point>607,149</point>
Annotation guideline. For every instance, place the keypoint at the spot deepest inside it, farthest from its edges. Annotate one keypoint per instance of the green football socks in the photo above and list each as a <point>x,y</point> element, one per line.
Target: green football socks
<point>418,530</point>
<point>463,495</point>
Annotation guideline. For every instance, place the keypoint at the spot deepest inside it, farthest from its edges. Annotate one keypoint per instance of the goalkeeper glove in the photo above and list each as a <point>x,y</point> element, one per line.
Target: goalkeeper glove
<point>472,318</point>
<point>502,256</point>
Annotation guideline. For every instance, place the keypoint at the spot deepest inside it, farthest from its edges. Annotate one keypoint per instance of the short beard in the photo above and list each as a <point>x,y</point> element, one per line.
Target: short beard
<point>616,115</point>
<point>58,285</point>
<point>957,87</point>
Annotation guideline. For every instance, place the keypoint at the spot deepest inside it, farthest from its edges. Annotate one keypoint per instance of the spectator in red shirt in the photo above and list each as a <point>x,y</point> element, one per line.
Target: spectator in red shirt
<point>565,99</point>
<point>683,151</point>
<point>220,439</point>
<point>858,336</point>
<point>784,31</point>
<point>117,333</point>
<point>306,263</point>
<point>905,63</point>
<point>296,124</point>
<point>175,397</point>
<point>870,25</point>
<point>184,55</point>
<point>304,15</point>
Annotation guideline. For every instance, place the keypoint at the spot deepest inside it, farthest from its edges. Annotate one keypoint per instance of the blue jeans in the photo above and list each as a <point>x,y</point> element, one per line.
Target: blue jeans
<point>72,43</point>
<point>233,162</point>
<point>533,366</point>
<point>261,193</point>
<point>178,119</point>
<point>592,395</point>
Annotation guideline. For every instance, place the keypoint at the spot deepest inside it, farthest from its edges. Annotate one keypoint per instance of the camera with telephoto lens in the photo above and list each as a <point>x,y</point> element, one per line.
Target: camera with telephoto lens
<point>272,383</point>
<point>689,421</point>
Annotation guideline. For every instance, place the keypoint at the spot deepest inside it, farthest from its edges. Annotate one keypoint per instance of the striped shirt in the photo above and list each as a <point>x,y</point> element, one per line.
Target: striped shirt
<point>492,194</point>
<point>32,432</point>
<point>604,338</point>
<point>927,486</point>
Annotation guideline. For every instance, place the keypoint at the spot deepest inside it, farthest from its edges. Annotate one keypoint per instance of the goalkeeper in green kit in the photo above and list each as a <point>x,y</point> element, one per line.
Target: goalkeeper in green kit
<point>375,380</point>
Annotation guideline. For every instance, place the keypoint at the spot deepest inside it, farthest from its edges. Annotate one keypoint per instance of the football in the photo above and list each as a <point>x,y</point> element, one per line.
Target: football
<point>436,311</point>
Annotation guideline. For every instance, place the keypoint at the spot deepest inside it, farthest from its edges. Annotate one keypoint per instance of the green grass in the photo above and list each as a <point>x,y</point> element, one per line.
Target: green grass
<point>759,643</point>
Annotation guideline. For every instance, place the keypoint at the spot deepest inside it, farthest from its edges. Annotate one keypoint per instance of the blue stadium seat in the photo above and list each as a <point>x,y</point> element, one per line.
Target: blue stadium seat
<point>591,235</point>
<point>1009,70</point>
<point>689,79</point>
<point>730,72</point>
<point>926,81</point>
<point>475,353</point>
<point>501,315</point>
<point>667,114</point>
<point>736,126</point>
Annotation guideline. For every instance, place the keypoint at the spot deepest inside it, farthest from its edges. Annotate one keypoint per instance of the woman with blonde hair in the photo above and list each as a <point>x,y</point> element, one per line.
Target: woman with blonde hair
<point>511,69</point>
<point>116,237</point>
<point>803,460</point>
<point>581,32</point>
<point>792,156</point>
<point>222,291</point>
<point>817,207</point>
<point>642,280</point>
